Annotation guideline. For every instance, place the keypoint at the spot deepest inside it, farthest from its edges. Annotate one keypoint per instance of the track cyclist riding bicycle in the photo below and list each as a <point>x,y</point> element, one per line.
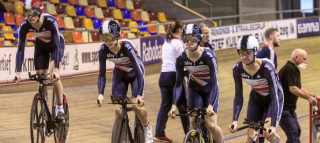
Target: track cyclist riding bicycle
<point>49,43</point>
<point>266,97</point>
<point>128,69</point>
<point>203,87</point>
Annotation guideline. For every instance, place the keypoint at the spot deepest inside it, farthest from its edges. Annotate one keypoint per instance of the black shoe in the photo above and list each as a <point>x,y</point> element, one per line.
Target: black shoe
<point>60,117</point>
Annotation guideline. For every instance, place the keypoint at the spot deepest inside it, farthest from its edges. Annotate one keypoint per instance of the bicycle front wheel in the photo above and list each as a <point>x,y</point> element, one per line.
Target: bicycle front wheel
<point>119,132</point>
<point>61,134</point>
<point>37,126</point>
<point>193,137</point>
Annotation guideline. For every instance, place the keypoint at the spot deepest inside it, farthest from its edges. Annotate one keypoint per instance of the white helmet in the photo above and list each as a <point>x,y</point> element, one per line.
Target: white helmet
<point>248,42</point>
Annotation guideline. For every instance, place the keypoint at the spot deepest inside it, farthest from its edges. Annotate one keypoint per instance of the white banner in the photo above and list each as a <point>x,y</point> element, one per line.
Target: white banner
<point>227,36</point>
<point>287,28</point>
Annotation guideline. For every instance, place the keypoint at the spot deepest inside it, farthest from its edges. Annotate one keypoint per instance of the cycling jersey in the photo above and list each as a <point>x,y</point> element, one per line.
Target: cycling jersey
<point>207,45</point>
<point>267,52</point>
<point>266,92</point>
<point>203,86</point>
<point>128,69</point>
<point>48,36</point>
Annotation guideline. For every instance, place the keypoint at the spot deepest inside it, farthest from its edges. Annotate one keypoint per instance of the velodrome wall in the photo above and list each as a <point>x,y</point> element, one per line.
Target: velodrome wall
<point>82,59</point>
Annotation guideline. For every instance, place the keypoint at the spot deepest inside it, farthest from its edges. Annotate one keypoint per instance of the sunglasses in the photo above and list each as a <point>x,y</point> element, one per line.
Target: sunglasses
<point>107,37</point>
<point>191,38</point>
<point>31,12</point>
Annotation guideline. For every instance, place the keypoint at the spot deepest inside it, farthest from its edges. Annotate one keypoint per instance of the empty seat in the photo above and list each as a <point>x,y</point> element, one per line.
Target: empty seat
<point>30,43</point>
<point>64,2</point>
<point>80,11</point>
<point>162,17</point>
<point>51,9</point>
<point>1,43</point>
<point>60,22</point>
<point>83,3</point>
<point>19,18</point>
<point>126,15</point>
<point>161,29</point>
<point>88,23</point>
<point>120,4</point>
<point>143,30</point>
<point>135,15</point>
<point>7,43</point>
<point>117,14</point>
<point>71,10</point>
<point>18,7</point>
<point>146,35</point>
<point>102,3</point>
<point>8,36</point>
<point>31,37</point>
<point>73,2</point>
<point>133,24</point>
<point>60,9</point>
<point>107,13</point>
<point>9,19</point>
<point>129,5</point>
<point>68,21</point>
<point>153,16</point>
<point>123,35</point>
<point>124,24</point>
<point>1,20</point>
<point>131,35</point>
<point>152,30</point>
<point>111,4</point>
<point>78,22</point>
<point>77,37</point>
<point>55,1</point>
<point>98,13</point>
<point>89,12</point>
<point>86,36</point>
<point>96,23</point>
<point>95,36</point>
<point>92,3</point>
<point>137,5</point>
<point>145,16</point>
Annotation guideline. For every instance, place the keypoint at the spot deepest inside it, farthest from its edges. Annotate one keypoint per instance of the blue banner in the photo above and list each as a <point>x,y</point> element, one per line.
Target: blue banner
<point>151,49</point>
<point>308,27</point>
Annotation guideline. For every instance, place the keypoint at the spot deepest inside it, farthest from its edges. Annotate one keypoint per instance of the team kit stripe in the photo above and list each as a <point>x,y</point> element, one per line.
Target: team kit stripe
<point>272,56</point>
<point>274,80</point>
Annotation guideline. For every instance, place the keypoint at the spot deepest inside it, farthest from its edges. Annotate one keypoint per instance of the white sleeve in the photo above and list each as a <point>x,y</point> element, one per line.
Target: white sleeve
<point>179,46</point>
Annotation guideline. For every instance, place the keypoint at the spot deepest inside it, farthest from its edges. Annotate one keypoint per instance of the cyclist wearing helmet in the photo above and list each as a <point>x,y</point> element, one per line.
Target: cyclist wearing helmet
<point>128,69</point>
<point>49,43</point>
<point>203,86</point>
<point>266,97</point>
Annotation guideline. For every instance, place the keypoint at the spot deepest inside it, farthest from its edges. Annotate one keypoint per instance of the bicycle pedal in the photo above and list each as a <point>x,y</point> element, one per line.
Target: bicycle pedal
<point>49,133</point>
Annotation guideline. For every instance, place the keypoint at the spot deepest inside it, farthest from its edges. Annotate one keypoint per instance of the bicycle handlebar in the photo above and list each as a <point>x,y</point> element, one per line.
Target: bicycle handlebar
<point>193,111</point>
<point>119,100</point>
<point>257,125</point>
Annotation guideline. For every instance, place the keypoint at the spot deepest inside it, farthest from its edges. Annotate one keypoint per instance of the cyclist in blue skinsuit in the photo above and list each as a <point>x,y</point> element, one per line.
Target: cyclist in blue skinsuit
<point>49,43</point>
<point>203,86</point>
<point>266,97</point>
<point>128,69</point>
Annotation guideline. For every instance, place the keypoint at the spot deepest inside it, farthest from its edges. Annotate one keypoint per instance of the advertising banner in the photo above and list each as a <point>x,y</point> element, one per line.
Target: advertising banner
<point>287,28</point>
<point>308,27</point>
<point>227,36</point>
<point>151,49</point>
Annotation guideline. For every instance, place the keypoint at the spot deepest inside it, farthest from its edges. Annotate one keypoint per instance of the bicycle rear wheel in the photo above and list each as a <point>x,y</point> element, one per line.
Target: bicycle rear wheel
<point>118,132</point>
<point>37,126</point>
<point>138,131</point>
<point>193,137</point>
<point>61,134</point>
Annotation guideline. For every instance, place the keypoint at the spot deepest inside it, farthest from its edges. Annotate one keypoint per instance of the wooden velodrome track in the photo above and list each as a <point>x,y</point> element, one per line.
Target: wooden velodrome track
<point>90,123</point>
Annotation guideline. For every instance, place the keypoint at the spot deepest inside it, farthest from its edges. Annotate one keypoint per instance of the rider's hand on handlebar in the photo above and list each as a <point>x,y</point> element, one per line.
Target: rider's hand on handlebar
<point>271,131</point>
<point>233,127</point>
<point>139,97</point>
<point>172,111</point>
<point>99,101</point>
<point>17,77</point>
<point>210,111</point>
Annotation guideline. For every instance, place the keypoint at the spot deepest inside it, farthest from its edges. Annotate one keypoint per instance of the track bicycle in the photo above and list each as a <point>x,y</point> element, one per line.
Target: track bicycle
<point>42,122</point>
<point>121,132</point>
<point>195,135</point>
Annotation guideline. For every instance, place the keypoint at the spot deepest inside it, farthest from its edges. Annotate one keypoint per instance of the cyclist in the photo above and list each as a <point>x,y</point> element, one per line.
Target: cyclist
<point>203,87</point>
<point>266,97</point>
<point>171,49</point>
<point>49,43</point>
<point>128,69</point>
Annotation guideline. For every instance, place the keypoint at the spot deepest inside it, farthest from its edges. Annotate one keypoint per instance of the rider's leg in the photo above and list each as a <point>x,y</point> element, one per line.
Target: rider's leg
<point>58,88</point>
<point>250,135</point>
<point>215,130</point>
<point>275,138</point>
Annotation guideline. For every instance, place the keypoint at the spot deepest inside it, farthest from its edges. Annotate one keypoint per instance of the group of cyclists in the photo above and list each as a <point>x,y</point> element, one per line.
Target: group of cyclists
<point>189,74</point>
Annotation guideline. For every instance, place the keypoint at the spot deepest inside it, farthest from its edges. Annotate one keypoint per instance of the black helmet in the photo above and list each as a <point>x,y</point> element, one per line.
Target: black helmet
<point>191,32</point>
<point>109,30</point>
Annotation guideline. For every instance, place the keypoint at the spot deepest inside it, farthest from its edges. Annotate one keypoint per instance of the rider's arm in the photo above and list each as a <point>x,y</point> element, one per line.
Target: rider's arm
<point>178,88</point>
<point>22,32</point>
<point>102,70</point>
<point>238,98</point>
<point>270,75</point>
<point>214,95</point>
<point>55,39</point>
<point>138,68</point>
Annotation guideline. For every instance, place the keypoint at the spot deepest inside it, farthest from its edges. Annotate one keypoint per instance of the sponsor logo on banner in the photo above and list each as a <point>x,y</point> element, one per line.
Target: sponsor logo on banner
<point>227,37</point>
<point>308,27</point>
<point>151,49</point>
<point>6,63</point>
<point>286,28</point>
